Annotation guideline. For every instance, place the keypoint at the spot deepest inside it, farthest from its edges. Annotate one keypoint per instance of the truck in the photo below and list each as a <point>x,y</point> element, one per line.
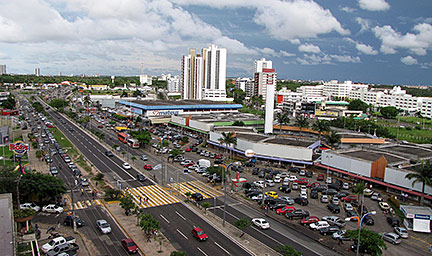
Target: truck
<point>204,163</point>
<point>56,242</point>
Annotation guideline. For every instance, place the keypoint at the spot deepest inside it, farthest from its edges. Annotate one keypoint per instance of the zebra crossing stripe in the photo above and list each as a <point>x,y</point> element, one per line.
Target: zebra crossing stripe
<point>203,193</point>
<point>88,202</point>
<point>157,196</point>
<point>201,186</point>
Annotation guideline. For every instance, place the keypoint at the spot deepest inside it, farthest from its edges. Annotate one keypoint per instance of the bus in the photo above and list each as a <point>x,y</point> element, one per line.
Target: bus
<point>133,143</point>
<point>123,137</point>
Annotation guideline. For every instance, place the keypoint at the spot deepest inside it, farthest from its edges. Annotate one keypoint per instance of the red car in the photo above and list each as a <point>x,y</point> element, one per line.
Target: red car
<point>302,181</point>
<point>129,245</point>
<point>313,185</point>
<point>100,126</point>
<point>188,149</point>
<point>218,156</point>
<point>285,209</point>
<point>188,164</point>
<point>320,177</point>
<point>50,126</point>
<point>199,234</point>
<point>148,167</point>
<point>350,198</point>
<point>309,220</point>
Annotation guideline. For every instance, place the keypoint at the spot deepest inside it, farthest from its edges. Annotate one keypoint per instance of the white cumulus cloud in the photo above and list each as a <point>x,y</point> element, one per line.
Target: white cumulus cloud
<point>366,49</point>
<point>408,60</point>
<point>309,48</point>
<point>374,5</point>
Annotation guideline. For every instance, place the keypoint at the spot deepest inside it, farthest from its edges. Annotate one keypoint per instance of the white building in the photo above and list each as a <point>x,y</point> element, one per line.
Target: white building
<point>173,84</point>
<point>259,65</point>
<point>191,76</point>
<point>37,71</point>
<point>146,79</point>
<point>2,70</point>
<point>342,90</point>
<point>214,73</point>
<point>164,77</point>
<point>263,80</point>
<point>269,106</point>
<point>245,84</point>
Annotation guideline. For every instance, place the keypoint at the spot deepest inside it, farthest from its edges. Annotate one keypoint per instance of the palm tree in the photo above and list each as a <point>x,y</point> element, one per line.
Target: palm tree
<point>421,174</point>
<point>282,118</point>
<point>228,139</point>
<point>333,138</point>
<point>321,126</point>
<point>301,122</point>
<point>359,190</point>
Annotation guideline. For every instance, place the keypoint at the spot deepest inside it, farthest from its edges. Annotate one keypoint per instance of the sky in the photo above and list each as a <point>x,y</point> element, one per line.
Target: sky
<point>369,41</point>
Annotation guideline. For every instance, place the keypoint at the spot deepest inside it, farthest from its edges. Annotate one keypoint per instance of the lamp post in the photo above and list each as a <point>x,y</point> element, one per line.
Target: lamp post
<point>360,223</point>
<point>226,168</point>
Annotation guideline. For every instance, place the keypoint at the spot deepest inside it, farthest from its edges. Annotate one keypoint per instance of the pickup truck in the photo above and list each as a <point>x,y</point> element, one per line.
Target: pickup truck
<point>69,248</point>
<point>56,242</point>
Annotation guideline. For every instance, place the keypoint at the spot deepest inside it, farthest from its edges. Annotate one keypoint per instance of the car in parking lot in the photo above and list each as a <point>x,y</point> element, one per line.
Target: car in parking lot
<point>352,214</point>
<point>367,192</point>
<point>324,199</point>
<point>391,237</point>
<point>309,220</point>
<point>261,223</point>
<point>285,189</point>
<point>393,221</point>
<point>368,220</point>
<point>309,174</point>
<point>301,201</point>
<point>320,177</point>
<point>288,200</point>
<point>329,230</point>
<point>384,206</point>
<point>341,233</point>
<point>272,194</point>
<point>348,207</point>
<point>302,181</point>
<point>349,199</point>
<point>284,210</point>
<point>333,208</point>
<point>84,182</point>
<point>292,178</point>
<point>259,183</point>
<point>295,186</point>
<point>334,220</point>
<point>402,232</point>
<point>319,225</point>
<point>199,234</point>
<point>376,197</point>
<point>297,214</point>
<point>269,183</point>
<point>335,200</point>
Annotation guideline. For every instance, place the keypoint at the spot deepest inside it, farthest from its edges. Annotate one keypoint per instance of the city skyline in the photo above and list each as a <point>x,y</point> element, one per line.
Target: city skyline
<point>370,41</point>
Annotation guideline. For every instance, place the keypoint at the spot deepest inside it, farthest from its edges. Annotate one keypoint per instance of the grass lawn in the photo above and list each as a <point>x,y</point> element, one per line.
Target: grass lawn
<point>64,142</point>
<point>416,120</point>
<point>413,135</point>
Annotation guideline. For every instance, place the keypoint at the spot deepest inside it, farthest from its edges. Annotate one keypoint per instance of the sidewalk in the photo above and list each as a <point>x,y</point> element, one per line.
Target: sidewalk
<point>34,162</point>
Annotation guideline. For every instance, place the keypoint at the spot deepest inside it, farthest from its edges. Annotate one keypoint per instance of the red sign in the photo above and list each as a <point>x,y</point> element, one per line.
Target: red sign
<point>19,147</point>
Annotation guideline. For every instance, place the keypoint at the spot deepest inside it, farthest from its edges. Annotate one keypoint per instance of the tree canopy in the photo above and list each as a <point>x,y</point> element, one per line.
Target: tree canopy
<point>9,103</point>
<point>358,105</point>
<point>370,241</point>
<point>46,187</point>
<point>389,112</point>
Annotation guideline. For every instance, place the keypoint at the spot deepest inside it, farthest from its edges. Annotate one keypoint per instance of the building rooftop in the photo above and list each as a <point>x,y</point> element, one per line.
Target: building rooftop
<point>291,142</point>
<point>251,137</point>
<point>6,225</point>
<point>370,155</point>
<point>410,150</point>
<point>234,128</point>
<point>178,104</point>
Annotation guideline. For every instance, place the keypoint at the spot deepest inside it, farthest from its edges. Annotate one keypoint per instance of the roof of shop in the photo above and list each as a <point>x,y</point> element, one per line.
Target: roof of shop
<point>178,104</point>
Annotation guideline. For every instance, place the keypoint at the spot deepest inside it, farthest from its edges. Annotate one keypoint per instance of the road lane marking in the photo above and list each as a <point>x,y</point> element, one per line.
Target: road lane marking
<point>199,249</point>
<point>227,252</point>
<point>165,219</point>
<point>180,215</point>
<point>182,234</point>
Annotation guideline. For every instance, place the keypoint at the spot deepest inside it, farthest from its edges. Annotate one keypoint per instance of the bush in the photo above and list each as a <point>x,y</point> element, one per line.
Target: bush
<point>112,194</point>
<point>99,176</point>
<point>18,214</point>
<point>408,128</point>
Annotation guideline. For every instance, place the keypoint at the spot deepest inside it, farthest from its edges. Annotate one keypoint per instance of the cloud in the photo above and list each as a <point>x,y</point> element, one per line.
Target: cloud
<point>346,58</point>
<point>347,9</point>
<point>374,5</point>
<point>417,43</point>
<point>294,41</point>
<point>234,46</point>
<point>286,54</point>
<point>408,60</point>
<point>366,49</point>
<point>316,59</point>
<point>364,23</point>
<point>309,48</point>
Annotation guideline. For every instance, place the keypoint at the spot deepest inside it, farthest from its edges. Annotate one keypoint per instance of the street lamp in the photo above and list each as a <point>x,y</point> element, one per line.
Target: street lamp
<point>360,223</point>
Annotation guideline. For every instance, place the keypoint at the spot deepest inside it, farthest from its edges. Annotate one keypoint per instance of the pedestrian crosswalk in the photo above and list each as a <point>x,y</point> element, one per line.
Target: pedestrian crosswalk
<point>151,196</point>
<point>195,186</point>
<point>82,204</point>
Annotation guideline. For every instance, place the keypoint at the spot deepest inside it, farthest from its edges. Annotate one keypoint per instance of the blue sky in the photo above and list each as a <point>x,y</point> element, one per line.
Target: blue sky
<point>370,41</point>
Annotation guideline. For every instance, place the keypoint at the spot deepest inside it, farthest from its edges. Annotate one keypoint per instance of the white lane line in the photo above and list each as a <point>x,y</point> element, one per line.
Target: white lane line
<point>227,252</point>
<point>167,221</point>
<point>182,234</point>
<point>199,249</point>
<point>180,215</point>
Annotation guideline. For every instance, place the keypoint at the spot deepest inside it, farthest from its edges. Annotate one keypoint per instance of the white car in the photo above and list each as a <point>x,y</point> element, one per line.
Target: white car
<point>319,225</point>
<point>303,188</point>
<point>335,200</point>
<point>269,183</point>
<point>348,207</point>
<point>32,206</point>
<point>258,197</point>
<point>346,186</point>
<point>277,179</point>
<point>259,183</point>
<point>286,181</point>
<point>292,178</point>
<point>384,206</point>
<point>402,232</point>
<point>329,180</point>
<point>261,223</point>
<point>303,194</point>
<point>52,208</point>
<point>302,173</point>
<point>126,166</point>
<point>103,226</point>
<point>337,235</point>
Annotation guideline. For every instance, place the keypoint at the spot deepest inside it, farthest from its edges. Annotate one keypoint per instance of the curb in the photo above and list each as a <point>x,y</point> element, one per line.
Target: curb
<point>120,225</point>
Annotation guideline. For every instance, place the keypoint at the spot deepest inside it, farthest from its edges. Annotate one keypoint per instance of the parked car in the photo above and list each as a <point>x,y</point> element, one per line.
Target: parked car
<point>334,220</point>
<point>32,206</point>
<point>376,197</point>
<point>284,210</point>
<point>314,194</point>
<point>368,220</point>
<point>103,226</point>
<point>309,220</point>
<point>329,230</point>
<point>285,189</point>
<point>301,201</point>
<point>319,225</point>
<point>384,206</point>
<point>346,186</point>
<point>297,213</point>
<point>129,245</point>
<point>338,234</point>
<point>320,177</point>
<point>393,221</point>
<point>52,208</point>
<point>367,192</point>
<point>272,194</point>
<point>333,208</point>
<point>294,186</point>
<point>324,199</point>
<point>335,200</point>
<point>349,199</point>
<point>391,237</point>
<point>352,214</point>
<point>402,232</point>
<point>261,223</point>
<point>288,200</point>
<point>199,234</point>
<point>148,167</point>
<point>309,174</point>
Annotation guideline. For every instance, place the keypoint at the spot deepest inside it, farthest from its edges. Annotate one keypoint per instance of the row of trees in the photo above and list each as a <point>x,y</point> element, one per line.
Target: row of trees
<point>389,112</point>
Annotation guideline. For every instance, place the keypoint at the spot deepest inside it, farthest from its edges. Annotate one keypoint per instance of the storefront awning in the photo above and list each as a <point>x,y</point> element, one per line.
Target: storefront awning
<point>421,225</point>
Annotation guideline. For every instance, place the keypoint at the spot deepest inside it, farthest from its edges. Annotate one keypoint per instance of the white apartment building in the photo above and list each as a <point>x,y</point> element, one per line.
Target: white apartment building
<point>342,90</point>
<point>191,76</point>
<point>2,70</point>
<point>259,65</point>
<point>425,106</point>
<point>263,80</point>
<point>37,71</point>
<point>146,79</point>
<point>173,84</point>
<point>214,73</point>
<point>286,95</point>
<point>245,84</point>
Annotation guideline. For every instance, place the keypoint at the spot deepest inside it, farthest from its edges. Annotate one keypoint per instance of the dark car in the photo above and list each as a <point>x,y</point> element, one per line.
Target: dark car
<point>197,196</point>
<point>392,221</point>
<point>253,193</point>
<point>255,171</point>
<point>309,174</point>
<point>277,205</point>
<point>314,194</point>
<point>334,186</point>
<point>351,214</point>
<point>261,174</point>
<point>109,153</point>
<point>334,208</point>
<point>294,169</point>
<point>329,230</point>
<point>129,245</point>
<point>297,214</point>
<point>68,221</point>
<point>141,177</point>
<point>285,189</point>
<point>248,185</point>
<point>301,201</point>
<point>368,220</point>
<point>321,188</point>
<point>218,161</point>
<point>331,192</point>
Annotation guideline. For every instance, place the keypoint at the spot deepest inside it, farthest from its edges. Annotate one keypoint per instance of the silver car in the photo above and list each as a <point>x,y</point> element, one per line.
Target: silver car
<point>402,232</point>
<point>391,237</point>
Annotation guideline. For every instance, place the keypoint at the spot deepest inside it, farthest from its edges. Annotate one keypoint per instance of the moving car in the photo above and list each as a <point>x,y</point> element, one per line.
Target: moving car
<point>261,223</point>
<point>199,234</point>
<point>402,232</point>
<point>141,177</point>
<point>69,219</point>
<point>392,221</point>
<point>126,166</point>
<point>148,167</point>
<point>52,208</point>
<point>129,245</point>
<point>103,226</point>
<point>391,237</point>
<point>109,153</point>
<point>197,196</point>
<point>144,157</point>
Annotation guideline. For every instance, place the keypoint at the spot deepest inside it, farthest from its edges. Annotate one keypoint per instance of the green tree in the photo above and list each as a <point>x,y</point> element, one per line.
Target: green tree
<point>205,205</point>
<point>176,152</point>
<point>238,123</point>
<point>359,190</point>
<point>369,240</point>
<point>9,103</point>
<point>127,203</point>
<point>143,137</point>
<point>333,138</point>
<point>287,250</point>
<point>389,112</point>
<point>301,122</point>
<point>228,139</point>
<point>185,139</point>
<point>178,253</point>
<point>124,94</point>
<point>239,96</point>
<point>112,193</point>
<point>242,224</point>
<point>282,118</point>
<point>59,103</point>
<point>321,126</point>
<point>421,174</point>
<point>45,187</point>
<point>148,223</point>
<point>358,105</point>
<point>218,170</point>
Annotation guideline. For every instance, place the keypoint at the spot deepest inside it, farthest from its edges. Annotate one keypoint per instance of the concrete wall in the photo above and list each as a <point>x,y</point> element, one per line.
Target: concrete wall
<point>397,177</point>
<point>200,125</point>
<point>347,164</point>
<point>178,120</point>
